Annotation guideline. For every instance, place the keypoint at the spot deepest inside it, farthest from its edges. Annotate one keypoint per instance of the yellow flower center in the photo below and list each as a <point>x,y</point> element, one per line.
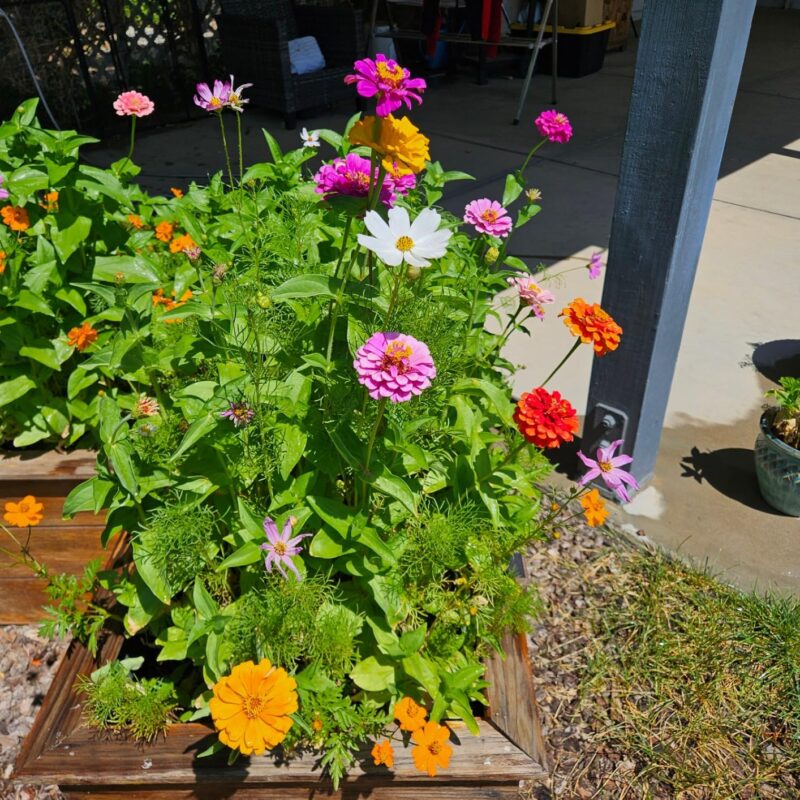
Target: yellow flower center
<point>490,215</point>
<point>252,706</point>
<point>280,548</point>
<point>560,119</point>
<point>606,466</point>
<point>393,75</point>
<point>404,244</point>
<point>434,748</point>
<point>233,98</point>
<point>215,101</point>
<point>397,352</point>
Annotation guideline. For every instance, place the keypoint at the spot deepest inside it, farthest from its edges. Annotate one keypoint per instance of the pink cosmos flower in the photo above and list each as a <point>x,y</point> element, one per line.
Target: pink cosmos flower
<point>531,293</point>
<point>595,266</point>
<point>394,366</point>
<point>554,126</point>
<point>3,192</point>
<point>236,98</point>
<point>607,467</point>
<point>488,216</point>
<point>350,176</point>
<point>385,78</point>
<point>133,104</point>
<point>213,99</point>
<point>280,548</point>
<point>240,414</point>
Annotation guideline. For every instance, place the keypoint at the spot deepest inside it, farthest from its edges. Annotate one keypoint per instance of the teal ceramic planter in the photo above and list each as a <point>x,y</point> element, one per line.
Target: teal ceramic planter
<point>778,469</point>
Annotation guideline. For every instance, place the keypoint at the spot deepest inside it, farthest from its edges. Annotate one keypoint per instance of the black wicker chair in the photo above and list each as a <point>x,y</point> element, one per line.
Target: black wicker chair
<point>255,47</point>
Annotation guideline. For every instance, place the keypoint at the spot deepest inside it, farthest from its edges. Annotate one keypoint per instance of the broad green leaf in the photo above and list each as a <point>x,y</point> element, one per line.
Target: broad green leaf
<point>252,523</point>
<point>151,573</point>
<point>527,212</point>
<point>81,498</point>
<point>328,545</point>
<point>197,430</point>
<point>119,454</point>
<point>370,538</point>
<point>513,189</point>
<point>304,286</point>
<point>44,355</point>
<point>14,389</point>
<point>68,240</point>
<point>423,671</point>
<point>204,603</point>
<point>248,553</point>
<point>28,180</point>
<point>411,641</point>
<point>133,269</point>
<point>499,399</point>
<point>274,147</point>
<point>339,516</point>
<point>33,302</point>
<point>373,675</point>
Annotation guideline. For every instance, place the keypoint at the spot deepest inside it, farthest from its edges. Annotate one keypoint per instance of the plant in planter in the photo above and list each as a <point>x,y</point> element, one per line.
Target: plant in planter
<point>322,518</point>
<point>777,449</point>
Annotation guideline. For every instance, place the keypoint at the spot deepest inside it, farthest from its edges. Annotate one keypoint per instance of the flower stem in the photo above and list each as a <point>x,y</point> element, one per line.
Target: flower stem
<point>562,362</point>
<point>345,237</point>
<point>334,312</point>
<point>394,295</point>
<point>530,155</point>
<point>374,433</point>
<point>130,149</point>
<point>225,148</point>
<point>239,141</point>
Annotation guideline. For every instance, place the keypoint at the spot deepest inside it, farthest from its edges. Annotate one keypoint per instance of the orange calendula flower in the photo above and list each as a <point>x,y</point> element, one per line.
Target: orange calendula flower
<point>82,337</point>
<point>404,148</point>
<point>383,753</point>
<point>592,325</point>
<point>27,512</point>
<point>432,748</point>
<point>594,508</point>
<point>177,192</point>
<point>136,221</point>
<point>164,231</point>
<point>15,217</point>
<point>251,707</point>
<point>50,201</point>
<point>3,256</point>
<point>410,715</point>
<point>181,243</point>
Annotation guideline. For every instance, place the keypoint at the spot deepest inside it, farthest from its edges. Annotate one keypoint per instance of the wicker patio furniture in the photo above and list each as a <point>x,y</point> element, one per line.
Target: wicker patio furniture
<point>255,47</point>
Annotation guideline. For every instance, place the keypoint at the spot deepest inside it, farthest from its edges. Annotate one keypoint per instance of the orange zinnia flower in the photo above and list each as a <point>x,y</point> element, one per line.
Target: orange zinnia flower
<point>82,337</point>
<point>545,419</point>
<point>383,753</point>
<point>177,192</point>
<point>27,512</point>
<point>16,218</point>
<point>2,261</point>
<point>50,201</point>
<point>251,707</point>
<point>432,749</point>
<point>164,231</point>
<point>594,508</point>
<point>410,715</point>
<point>180,243</point>
<point>592,325</point>
<point>135,221</point>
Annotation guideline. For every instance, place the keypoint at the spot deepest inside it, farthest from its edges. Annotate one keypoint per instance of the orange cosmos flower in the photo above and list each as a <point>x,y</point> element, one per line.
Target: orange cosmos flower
<point>177,192</point>
<point>3,256</point>
<point>136,221</point>
<point>82,337</point>
<point>594,508</point>
<point>432,749</point>
<point>592,325</point>
<point>181,243</point>
<point>251,707</point>
<point>545,418</point>
<point>164,231</point>
<point>27,512</point>
<point>50,201</point>
<point>16,218</point>
<point>383,753</point>
<point>410,715</point>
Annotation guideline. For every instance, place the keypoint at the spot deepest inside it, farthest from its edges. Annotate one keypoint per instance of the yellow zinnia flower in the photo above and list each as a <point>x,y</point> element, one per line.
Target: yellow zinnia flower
<point>398,140</point>
<point>251,707</point>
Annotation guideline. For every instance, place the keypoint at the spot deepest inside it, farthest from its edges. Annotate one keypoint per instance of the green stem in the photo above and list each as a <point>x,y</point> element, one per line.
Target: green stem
<point>345,238</point>
<point>374,433</point>
<point>130,149</point>
<point>562,362</point>
<point>394,295</point>
<point>239,141</point>
<point>225,148</point>
<point>530,156</point>
<point>334,314</point>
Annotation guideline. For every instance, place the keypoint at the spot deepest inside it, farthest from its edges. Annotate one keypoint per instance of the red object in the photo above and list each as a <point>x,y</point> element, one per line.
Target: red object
<point>491,24</point>
<point>545,419</point>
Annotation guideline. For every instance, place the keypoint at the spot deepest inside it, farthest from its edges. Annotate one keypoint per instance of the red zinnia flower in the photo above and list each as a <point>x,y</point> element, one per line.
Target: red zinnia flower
<point>545,419</point>
<point>592,325</point>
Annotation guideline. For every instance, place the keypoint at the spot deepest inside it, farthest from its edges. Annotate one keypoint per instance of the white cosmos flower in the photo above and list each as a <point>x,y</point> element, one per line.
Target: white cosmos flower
<point>310,138</point>
<point>402,240</point>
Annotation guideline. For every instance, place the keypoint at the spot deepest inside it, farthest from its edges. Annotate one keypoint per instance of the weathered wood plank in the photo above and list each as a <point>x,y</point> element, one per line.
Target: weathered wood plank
<point>392,791</point>
<point>66,549</point>
<point>53,508</point>
<point>74,466</point>
<point>687,72</point>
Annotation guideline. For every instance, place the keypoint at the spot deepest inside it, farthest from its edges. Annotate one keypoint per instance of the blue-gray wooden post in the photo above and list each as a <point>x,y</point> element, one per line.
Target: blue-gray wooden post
<point>687,72</point>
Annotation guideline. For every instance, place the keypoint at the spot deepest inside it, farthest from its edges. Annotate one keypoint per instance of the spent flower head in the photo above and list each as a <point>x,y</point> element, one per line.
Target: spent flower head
<point>236,98</point>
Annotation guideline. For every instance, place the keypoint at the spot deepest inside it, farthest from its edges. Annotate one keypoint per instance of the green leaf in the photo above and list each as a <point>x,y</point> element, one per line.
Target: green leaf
<point>14,389</point>
<point>151,573</point>
<point>33,302</point>
<point>294,445</point>
<point>204,603</point>
<point>328,545</point>
<point>80,498</point>
<point>197,430</point>
<point>395,487</point>
<point>498,398</point>
<point>372,675</point>
<point>304,286</point>
<point>68,240</point>
<point>44,355</point>
<point>370,538</point>
<point>331,137</point>
<point>134,269</point>
<point>424,672</point>
<point>248,553</point>
<point>79,380</point>
<point>411,641</point>
<point>28,180</point>
<point>339,516</point>
<point>120,456</point>
<point>526,213</point>
<point>252,523</point>
<point>274,147</point>
<point>513,189</point>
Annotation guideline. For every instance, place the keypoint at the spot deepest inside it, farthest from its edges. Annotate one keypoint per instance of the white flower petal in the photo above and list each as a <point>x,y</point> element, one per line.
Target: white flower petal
<point>399,223</point>
<point>414,257</point>
<point>426,223</point>
<point>391,256</point>
<point>378,228</point>
<point>434,245</point>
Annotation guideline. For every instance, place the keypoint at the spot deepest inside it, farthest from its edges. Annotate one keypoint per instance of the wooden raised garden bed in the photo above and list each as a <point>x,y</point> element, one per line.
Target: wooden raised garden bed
<point>63,545</point>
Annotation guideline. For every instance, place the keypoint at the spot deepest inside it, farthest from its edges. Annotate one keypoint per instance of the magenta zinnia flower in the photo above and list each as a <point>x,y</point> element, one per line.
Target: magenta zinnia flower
<point>240,414</point>
<point>3,192</point>
<point>531,293</point>
<point>385,78</point>
<point>394,366</point>
<point>350,176</point>
<point>607,467</point>
<point>595,266</point>
<point>280,548</point>
<point>133,104</point>
<point>488,216</point>
<point>213,99</point>
<point>554,126</point>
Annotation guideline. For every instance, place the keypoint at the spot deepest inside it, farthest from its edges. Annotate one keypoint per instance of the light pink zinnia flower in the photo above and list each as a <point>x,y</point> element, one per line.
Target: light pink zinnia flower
<point>213,99</point>
<point>607,467</point>
<point>280,548</point>
<point>395,366</point>
<point>531,293</point>
<point>386,78</point>
<point>488,216</point>
<point>350,176</point>
<point>595,266</point>
<point>133,104</point>
<point>554,126</point>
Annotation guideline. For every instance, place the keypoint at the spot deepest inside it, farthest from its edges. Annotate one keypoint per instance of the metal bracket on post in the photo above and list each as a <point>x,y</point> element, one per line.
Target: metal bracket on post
<point>603,425</point>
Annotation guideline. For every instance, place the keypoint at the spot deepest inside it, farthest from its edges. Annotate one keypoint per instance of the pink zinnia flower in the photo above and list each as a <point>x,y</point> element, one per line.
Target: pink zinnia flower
<point>350,176</point>
<point>531,293</point>
<point>385,78</point>
<point>280,548</point>
<point>554,126</point>
<point>595,266</point>
<point>607,467</point>
<point>213,99</point>
<point>133,104</point>
<point>3,192</point>
<point>394,366</point>
<point>488,216</point>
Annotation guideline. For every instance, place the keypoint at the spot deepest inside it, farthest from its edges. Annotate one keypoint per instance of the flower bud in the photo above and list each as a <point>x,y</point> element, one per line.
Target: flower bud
<point>492,254</point>
<point>263,300</point>
<point>413,273</point>
<point>533,195</point>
